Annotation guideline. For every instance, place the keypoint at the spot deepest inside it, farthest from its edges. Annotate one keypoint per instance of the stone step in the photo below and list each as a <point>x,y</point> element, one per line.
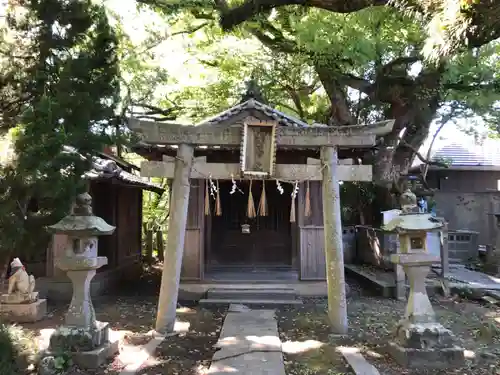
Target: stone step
<point>252,294</point>
<point>267,302</point>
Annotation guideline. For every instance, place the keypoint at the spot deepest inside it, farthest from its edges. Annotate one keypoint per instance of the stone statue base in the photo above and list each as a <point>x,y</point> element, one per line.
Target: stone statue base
<point>426,345</point>
<point>25,312</point>
<point>19,298</point>
<point>89,349</point>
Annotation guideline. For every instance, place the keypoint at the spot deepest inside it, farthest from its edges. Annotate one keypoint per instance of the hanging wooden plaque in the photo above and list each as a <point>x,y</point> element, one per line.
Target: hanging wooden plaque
<point>258,149</point>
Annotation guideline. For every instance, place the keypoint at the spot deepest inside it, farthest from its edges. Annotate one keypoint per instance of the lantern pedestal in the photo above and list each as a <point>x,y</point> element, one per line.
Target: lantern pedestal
<point>420,341</point>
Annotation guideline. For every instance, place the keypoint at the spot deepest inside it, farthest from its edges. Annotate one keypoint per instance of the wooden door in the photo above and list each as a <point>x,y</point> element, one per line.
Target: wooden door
<point>193,259</point>
<point>311,234</point>
<point>269,241</point>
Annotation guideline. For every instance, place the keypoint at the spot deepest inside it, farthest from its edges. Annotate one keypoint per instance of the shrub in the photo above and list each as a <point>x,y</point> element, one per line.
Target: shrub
<point>18,349</point>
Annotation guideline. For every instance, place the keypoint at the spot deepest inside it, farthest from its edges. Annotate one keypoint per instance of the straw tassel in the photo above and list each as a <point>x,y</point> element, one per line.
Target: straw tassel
<point>207,199</point>
<point>307,208</point>
<point>218,208</point>
<point>251,205</point>
<point>263,201</point>
<point>292,211</point>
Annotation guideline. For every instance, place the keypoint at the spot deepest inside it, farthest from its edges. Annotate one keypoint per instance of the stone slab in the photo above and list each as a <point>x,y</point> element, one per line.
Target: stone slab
<point>252,294</point>
<point>92,359</point>
<point>249,301</point>
<point>386,286</point>
<point>249,344</point>
<point>447,358</point>
<point>472,279</point>
<point>24,312</point>
<point>97,357</point>
<point>16,298</point>
<point>357,362</point>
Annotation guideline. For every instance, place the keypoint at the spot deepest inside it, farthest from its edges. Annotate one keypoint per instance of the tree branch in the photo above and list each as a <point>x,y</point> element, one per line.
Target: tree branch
<point>154,112</point>
<point>402,60</point>
<point>462,86</point>
<point>273,38</point>
<point>296,101</point>
<point>419,155</point>
<point>191,30</point>
<point>356,83</point>
<point>230,18</point>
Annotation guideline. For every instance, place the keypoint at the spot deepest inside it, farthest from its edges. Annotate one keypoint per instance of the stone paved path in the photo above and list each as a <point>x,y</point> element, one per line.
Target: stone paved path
<point>248,344</point>
<point>460,274</point>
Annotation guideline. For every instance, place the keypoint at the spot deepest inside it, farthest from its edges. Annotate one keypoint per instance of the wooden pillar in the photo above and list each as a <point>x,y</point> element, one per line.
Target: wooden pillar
<point>334,254</point>
<point>174,249</point>
<point>148,256</point>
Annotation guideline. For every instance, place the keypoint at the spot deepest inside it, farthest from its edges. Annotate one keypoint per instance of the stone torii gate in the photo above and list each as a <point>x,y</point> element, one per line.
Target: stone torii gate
<point>258,142</point>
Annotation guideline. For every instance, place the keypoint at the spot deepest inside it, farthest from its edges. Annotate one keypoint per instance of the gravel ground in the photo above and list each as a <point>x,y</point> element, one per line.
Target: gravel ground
<point>309,346</point>
<point>371,323</point>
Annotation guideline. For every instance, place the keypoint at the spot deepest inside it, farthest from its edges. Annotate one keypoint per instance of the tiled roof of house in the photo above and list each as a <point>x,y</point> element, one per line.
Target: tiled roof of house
<point>282,118</point>
<point>108,169</point>
<point>485,154</point>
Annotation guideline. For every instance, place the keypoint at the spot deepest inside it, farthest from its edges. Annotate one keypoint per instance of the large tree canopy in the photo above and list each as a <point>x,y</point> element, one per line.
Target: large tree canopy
<point>342,68</point>
<point>450,24</point>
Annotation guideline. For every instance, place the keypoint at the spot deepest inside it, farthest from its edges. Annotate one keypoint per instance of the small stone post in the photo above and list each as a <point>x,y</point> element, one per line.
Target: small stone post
<point>334,253</point>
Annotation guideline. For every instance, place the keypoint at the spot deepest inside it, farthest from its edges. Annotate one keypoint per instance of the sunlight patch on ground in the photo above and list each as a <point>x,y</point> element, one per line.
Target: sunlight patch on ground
<point>347,350</point>
<point>371,353</point>
<point>181,327</point>
<point>130,354</point>
<point>218,369</point>
<point>185,310</point>
<point>469,354</point>
<point>252,342</point>
<point>264,340</point>
<point>295,347</point>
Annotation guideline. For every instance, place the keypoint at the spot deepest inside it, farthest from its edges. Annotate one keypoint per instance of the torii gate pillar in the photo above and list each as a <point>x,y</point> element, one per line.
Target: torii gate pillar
<point>334,254</point>
<point>169,290</point>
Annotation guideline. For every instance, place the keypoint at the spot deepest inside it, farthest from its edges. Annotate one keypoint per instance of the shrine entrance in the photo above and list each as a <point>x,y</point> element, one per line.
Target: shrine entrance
<point>267,242</point>
<point>264,140</point>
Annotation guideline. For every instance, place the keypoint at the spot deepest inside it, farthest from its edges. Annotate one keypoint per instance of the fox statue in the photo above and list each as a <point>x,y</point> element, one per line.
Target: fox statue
<point>19,281</point>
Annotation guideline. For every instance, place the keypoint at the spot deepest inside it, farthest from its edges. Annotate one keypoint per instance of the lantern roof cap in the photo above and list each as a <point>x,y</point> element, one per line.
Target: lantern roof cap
<point>81,221</point>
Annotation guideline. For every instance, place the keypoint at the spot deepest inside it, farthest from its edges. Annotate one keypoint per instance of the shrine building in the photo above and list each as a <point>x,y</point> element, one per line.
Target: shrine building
<point>255,210</point>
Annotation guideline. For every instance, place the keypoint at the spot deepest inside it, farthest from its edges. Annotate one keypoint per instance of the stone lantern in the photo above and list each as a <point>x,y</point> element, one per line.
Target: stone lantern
<point>420,341</point>
<point>82,335</point>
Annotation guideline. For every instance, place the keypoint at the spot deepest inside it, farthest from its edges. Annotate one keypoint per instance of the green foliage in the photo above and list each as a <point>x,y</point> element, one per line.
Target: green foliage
<point>295,40</point>
<point>155,208</point>
<point>356,197</point>
<point>338,68</point>
<point>63,362</point>
<point>18,349</point>
<point>71,77</point>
